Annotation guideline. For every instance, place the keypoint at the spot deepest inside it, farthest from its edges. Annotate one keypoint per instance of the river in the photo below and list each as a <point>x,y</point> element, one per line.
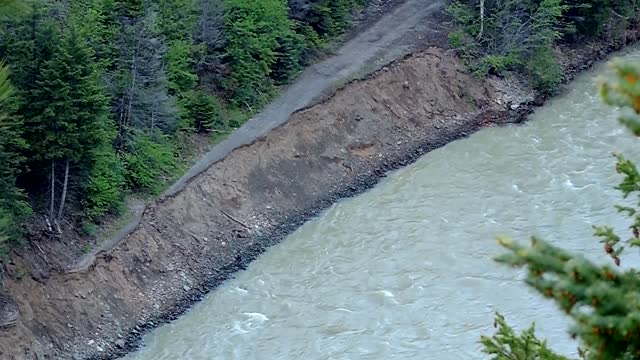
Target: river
<point>405,270</point>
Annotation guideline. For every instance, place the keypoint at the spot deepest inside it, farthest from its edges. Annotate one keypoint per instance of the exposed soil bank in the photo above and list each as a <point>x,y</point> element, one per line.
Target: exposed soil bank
<point>193,240</point>
<point>224,218</point>
<point>384,31</point>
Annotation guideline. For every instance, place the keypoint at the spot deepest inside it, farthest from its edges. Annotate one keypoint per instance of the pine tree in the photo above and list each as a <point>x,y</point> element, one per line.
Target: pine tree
<point>105,185</point>
<point>13,205</point>
<point>129,8</point>
<point>150,162</point>
<point>210,43</point>
<point>97,24</point>
<point>325,18</point>
<point>158,59</point>
<point>256,32</point>
<point>177,19</point>
<point>72,119</point>
<point>12,201</point>
<point>205,112</point>
<point>141,85</point>
<point>180,67</point>
<point>176,23</point>
<point>507,345</point>
<point>603,301</point>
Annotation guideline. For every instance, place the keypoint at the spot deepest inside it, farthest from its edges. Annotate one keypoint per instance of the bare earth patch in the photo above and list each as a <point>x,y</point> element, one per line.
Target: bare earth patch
<point>281,171</point>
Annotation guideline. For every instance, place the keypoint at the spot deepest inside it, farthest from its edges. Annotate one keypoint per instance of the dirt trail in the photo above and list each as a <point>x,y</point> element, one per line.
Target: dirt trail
<point>189,243</point>
<point>239,200</point>
<point>406,28</point>
<point>393,36</point>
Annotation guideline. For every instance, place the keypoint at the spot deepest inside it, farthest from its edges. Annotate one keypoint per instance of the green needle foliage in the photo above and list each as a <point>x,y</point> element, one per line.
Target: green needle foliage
<point>507,345</point>
<point>98,97</point>
<point>603,302</point>
<point>496,36</point>
<point>13,206</point>
<point>259,35</point>
<point>330,17</point>
<point>5,86</point>
<point>206,113</point>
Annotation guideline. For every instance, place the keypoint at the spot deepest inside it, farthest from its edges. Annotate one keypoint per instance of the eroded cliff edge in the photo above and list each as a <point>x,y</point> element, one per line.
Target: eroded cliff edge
<point>188,243</point>
<point>192,241</point>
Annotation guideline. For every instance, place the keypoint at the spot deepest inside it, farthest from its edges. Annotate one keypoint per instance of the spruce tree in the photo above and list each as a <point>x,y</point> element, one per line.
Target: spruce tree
<point>256,33</point>
<point>141,86</point>
<point>13,205</point>
<point>72,119</point>
<point>330,17</point>
<point>210,43</point>
<point>97,23</point>
<point>177,19</point>
<point>205,112</point>
<point>12,201</point>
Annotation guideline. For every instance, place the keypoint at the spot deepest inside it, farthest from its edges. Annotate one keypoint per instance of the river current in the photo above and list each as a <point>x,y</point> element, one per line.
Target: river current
<point>405,270</point>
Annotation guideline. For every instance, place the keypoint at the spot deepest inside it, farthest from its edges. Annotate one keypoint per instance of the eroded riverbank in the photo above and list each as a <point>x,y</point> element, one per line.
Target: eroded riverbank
<point>223,219</point>
<point>405,270</point>
<point>193,240</point>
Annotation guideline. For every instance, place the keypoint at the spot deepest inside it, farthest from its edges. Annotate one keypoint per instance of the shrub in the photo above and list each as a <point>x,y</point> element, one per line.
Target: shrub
<point>106,186</point>
<point>205,112</point>
<point>546,74</point>
<point>289,57</point>
<point>512,35</point>
<point>457,39</point>
<point>495,64</point>
<point>260,37</point>
<point>150,161</point>
<point>312,40</point>
<point>329,18</point>
<point>90,229</point>
<point>237,117</point>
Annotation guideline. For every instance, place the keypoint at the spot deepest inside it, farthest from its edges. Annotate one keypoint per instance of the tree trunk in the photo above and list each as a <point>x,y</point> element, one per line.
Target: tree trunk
<point>153,115</point>
<point>53,190</point>
<point>121,117</point>
<point>481,19</point>
<point>134,71</point>
<point>64,192</point>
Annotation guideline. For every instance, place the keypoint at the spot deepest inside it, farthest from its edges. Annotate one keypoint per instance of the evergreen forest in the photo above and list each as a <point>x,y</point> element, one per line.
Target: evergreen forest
<point>102,98</point>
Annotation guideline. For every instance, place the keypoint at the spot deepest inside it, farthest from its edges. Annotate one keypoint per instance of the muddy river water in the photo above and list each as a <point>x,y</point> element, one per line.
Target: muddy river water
<point>405,270</point>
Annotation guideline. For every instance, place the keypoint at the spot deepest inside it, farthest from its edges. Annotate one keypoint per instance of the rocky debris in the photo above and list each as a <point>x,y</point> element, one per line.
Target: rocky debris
<point>164,264</point>
<point>9,313</point>
<point>513,92</point>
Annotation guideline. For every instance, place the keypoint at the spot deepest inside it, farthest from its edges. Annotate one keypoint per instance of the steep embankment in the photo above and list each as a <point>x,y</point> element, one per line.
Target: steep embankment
<point>224,218</point>
<point>220,220</point>
<point>405,27</point>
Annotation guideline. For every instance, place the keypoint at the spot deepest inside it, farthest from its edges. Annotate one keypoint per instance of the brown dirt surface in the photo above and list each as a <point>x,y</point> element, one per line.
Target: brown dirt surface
<point>193,240</point>
<point>220,220</point>
<point>383,31</point>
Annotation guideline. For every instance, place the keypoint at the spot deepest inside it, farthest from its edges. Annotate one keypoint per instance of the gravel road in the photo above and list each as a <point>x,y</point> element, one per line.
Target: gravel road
<point>407,27</point>
<point>393,36</point>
